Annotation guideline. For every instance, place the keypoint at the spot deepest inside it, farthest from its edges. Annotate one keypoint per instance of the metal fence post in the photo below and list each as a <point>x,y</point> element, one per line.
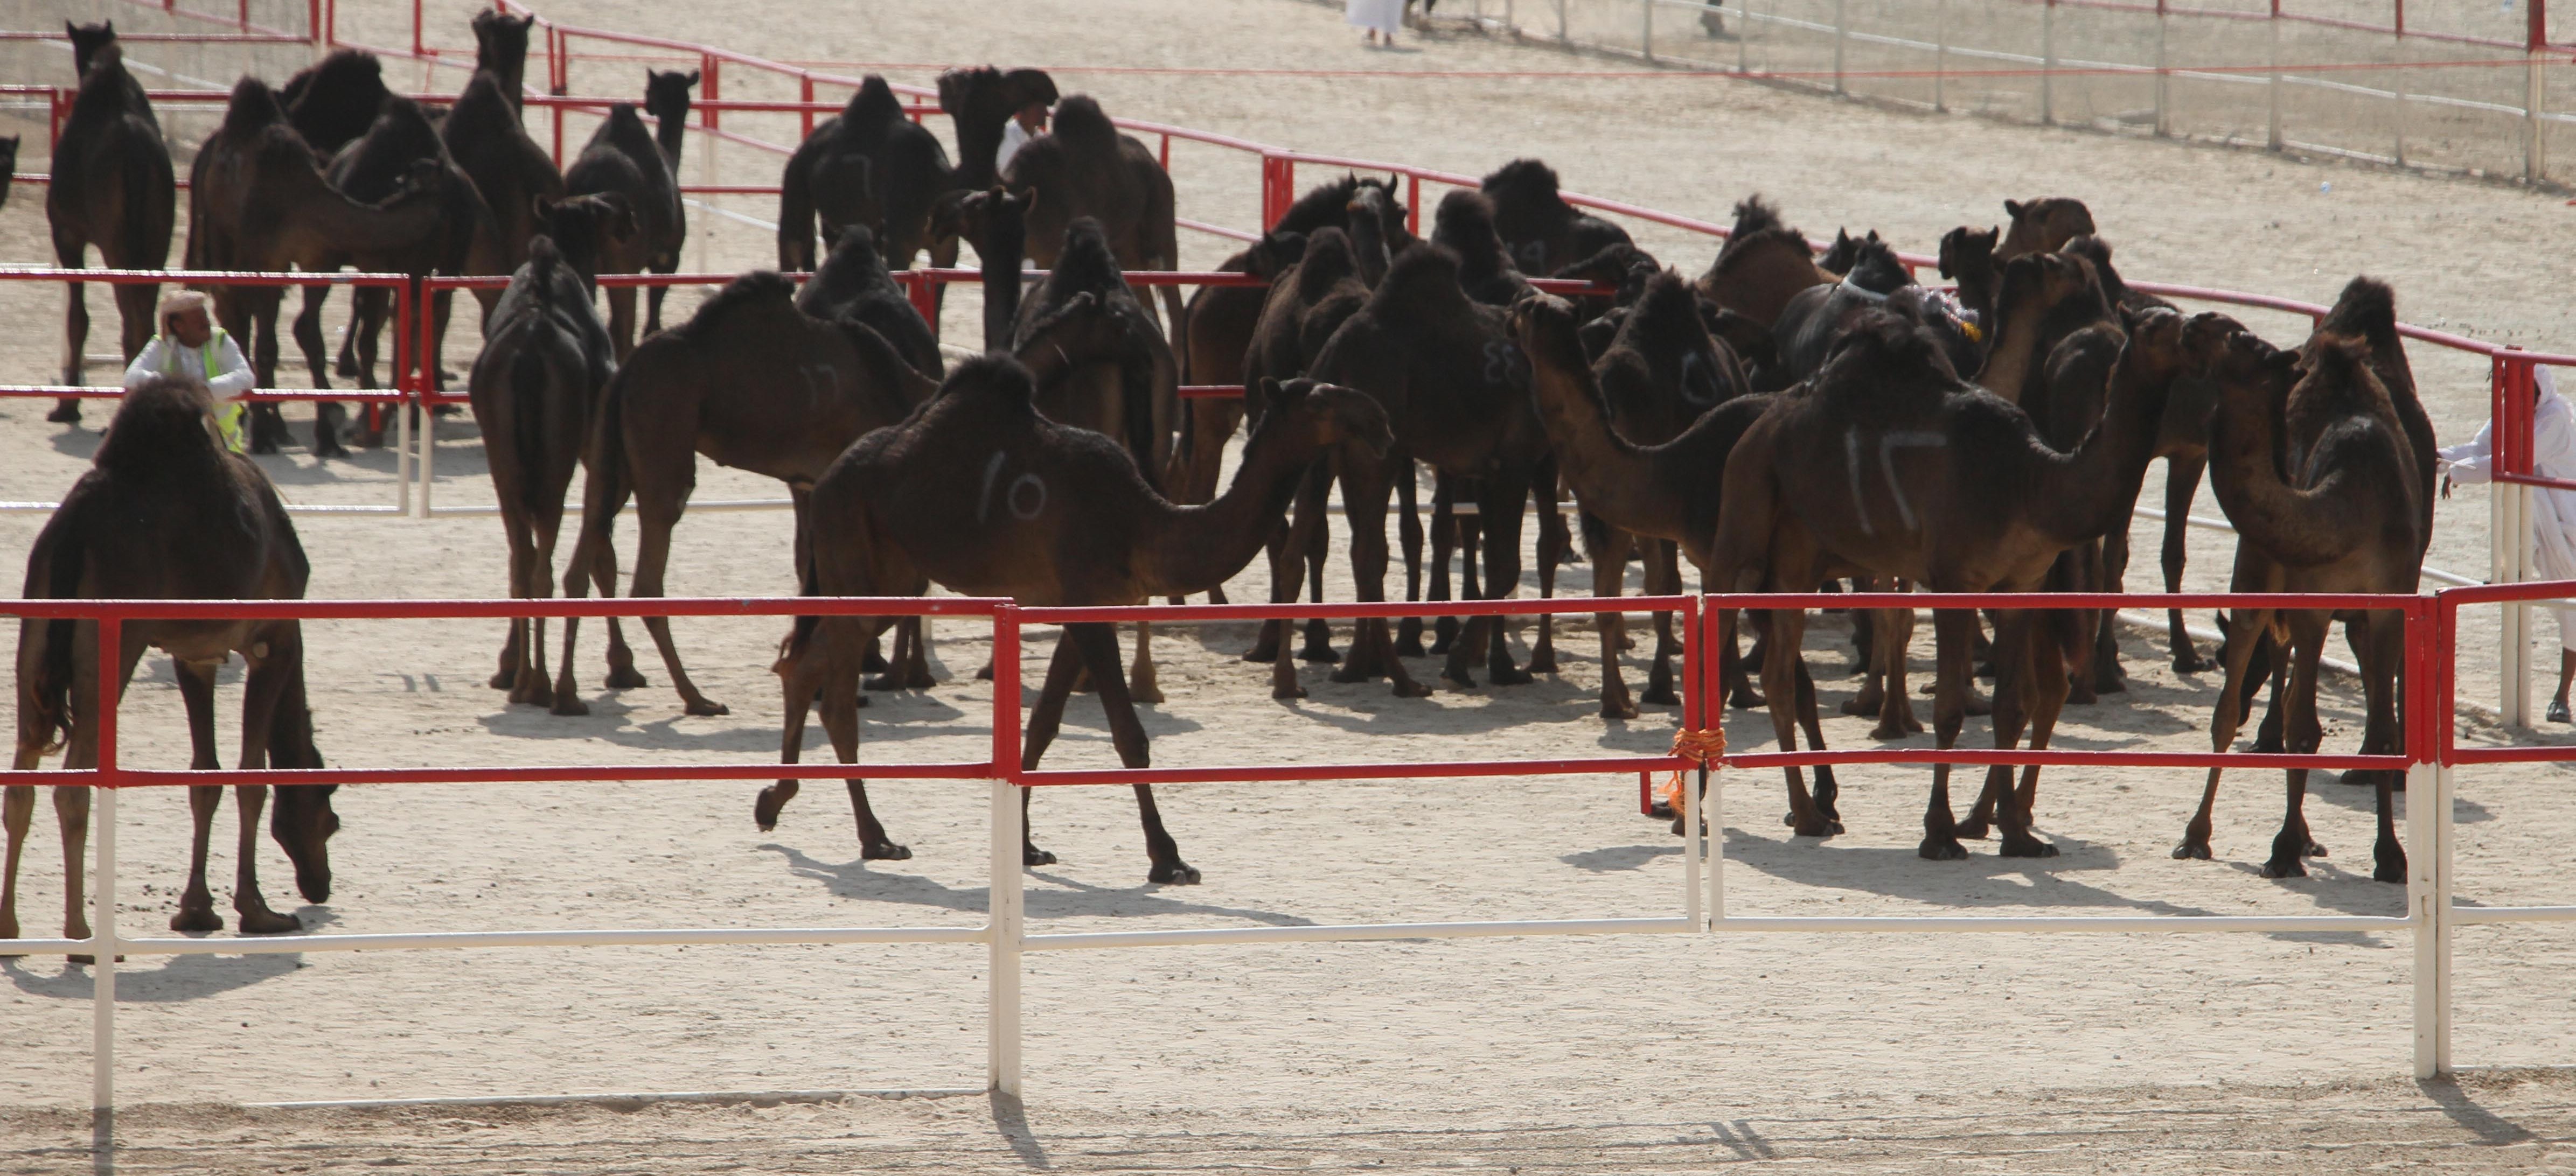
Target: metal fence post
<point>1646,28</point>
<point>1003,894</point>
<point>1842,27</point>
<point>2535,134</point>
<point>2397,93</point>
<point>2048,62</point>
<point>2443,797</point>
<point>103,938</point>
<point>2272,136</point>
<point>2164,75</point>
<point>1941,55</point>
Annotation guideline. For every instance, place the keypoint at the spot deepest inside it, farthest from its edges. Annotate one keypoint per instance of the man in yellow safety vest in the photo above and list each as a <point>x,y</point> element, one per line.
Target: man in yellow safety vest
<point>190,344</point>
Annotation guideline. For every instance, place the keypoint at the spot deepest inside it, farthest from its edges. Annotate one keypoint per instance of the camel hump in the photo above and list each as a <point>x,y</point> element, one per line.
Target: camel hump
<point>759,289</point>
<point>1421,274</point>
<point>253,106</point>
<point>1328,259</point>
<point>482,109</point>
<point>1079,120</point>
<point>1086,261</point>
<point>1667,313</point>
<point>992,374</point>
<point>1885,340</point>
<point>2368,308</point>
<point>1523,180</point>
<point>164,426</point>
<point>1753,214</point>
<point>874,107</point>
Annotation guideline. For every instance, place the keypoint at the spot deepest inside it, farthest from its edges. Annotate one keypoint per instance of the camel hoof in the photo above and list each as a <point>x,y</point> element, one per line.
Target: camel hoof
<point>1663,697</point>
<point>1542,663</point>
<point>2187,660</point>
<point>267,922</point>
<point>1509,676</point>
<point>1972,829</point>
<point>2392,865</point>
<point>504,680</point>
<point>1746,700</point>
<point>196,919</point>
<point>1860,706</point>
<point>2027,846</point>
<point>1461,679</point>
<point>568,705</point>
<point>539,695</point>
<point>2191,851</point>
<point>2111,683</point>
<point>1033,856</point>
<point>65,413</point>
<point>1887,731</point>
<point>765,809</point>
<point>1317,652</point>
<point>707,707</point>
<point>624,678</point>
<point>2284,869</point>
<point>1979,707</point>
<point>1413,690</point>
<point>1941,849</point>
<point>885,851</point>
<point>1287,693</point>
<point>329,447</point>
<point>1617,710</point>
<point>1411,647</point>
<point>2316,850</point>
<point>1818,827</point>
<point>1173,874</point>
<point>1146,695</point>
<point>2080,695</point>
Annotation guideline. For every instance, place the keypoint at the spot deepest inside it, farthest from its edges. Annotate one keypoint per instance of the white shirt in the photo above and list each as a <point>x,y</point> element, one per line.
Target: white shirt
<point>1014,137</point>
<point>232,372</point>
<point>2553,455</point>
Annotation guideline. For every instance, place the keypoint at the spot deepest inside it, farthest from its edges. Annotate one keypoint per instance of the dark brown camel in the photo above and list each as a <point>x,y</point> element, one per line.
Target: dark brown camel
<point>2350,518</point>
<point>1967,258</point>
<point>980,101</point>
<point>545,359</point>
<point>2044,225</point>
<point>750,382</point>
<point>852,283</point>
<point>264,204</point>
<point>166,513</point>
<point>483,136</point>
<point>1762,264</point>
<point>1667,491</point>
<point>1061,516</point>
<point>642,168</point>
<point>333,100</point>
<point>869,167</point>
<point>1456,391</point>
<point>112,187</point>
<point>1083,166</point>
<point>501,46</point>
<point>1890,465</point>
<point>1544,233</point>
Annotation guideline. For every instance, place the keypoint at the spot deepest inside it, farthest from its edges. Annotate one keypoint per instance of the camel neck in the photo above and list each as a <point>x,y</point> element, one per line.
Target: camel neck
<point>2095,487</point>
<point>1195,548</point>
<point>669,134</point>
<point>1614,478</point>
<point>2012,355</point>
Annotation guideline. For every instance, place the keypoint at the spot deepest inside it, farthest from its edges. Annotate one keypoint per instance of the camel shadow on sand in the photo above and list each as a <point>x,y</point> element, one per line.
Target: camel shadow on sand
<point>1969,887</point>
<point>177,978</point>
<point>1060,898</point>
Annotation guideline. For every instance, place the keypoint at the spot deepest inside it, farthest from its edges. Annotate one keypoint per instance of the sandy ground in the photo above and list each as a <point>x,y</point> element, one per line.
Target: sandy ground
<point>2201,1054</point>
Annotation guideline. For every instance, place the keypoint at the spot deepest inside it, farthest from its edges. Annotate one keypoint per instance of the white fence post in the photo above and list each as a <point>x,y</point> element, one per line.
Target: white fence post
<point>2272,137</point>
<point>2048,62</point>
<point>427,467</point>
<point>1002,1015</point>
<point>1714,809</point>
<point>2444,799</point>
<point>1560,20</point>
<point>2535,135</point>
<point>102,1057</point>
<point>1842,28</point>
<point>2423,872</point>
<point>402,453</point>
<point>2164,79</point>
<point>1941,55</point>
<point>2397,95</point>
<point>1646,28</point>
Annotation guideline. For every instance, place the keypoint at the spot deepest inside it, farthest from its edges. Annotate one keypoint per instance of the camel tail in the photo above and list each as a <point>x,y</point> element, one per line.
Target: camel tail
<point>796,217</point>
<point>809,582</point>
<point>530,378</point>
<point>605,491</point>
<point>46,647</point>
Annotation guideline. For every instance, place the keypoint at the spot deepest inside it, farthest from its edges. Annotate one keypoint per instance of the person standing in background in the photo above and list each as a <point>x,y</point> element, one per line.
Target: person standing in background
<point>2553,511</point>
<point>1028,122</point>
<point>191,346</point>
<point>1378,19</point>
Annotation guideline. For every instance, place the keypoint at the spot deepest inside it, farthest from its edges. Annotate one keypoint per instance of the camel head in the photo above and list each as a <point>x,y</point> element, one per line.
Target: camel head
<point>86,41</point>
<point>1080,329</point>
<point>666,95</point>
<point>2156,348</point>
<point>2043,281</point>
<point>1327,413</point>
<point>974,215</point>
<point>1965,251</point>
<point>1844,253</point>
<point>2246,368</point>
<point>302,821</point>
<point>2044,225</point>
<point>1545,328</point>
<point>500,39</point>
<point>586,228</point>
<point>1274,253</point>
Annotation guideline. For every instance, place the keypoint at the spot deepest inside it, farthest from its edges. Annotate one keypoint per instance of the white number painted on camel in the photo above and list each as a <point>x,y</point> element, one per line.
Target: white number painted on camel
<point>1888,444</point>
<point>822,381</point>
<point>1025,497</point>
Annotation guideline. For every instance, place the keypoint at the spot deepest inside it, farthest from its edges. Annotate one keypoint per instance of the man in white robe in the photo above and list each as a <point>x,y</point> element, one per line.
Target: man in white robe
<point>2553,511</point>
<point>191,345</point>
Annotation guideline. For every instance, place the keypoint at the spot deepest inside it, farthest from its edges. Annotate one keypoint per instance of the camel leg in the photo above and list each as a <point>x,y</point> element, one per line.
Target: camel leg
<point>70,252</point>
<point>2044,691</point>
<point>653,295</point>
<point>2302,734</point>
<point>1895,711</point>
<point>621,321</point>
<point>1366,483</point>
<point>1609,571</point>
<point>541,586</point>
<point>1289,544</point>
<point>256,918</point>
<point>71,816</point>
<point>1044,719</point>
<point>1826,789</point>
<point>841,721</point>
<point>1737,674</point>
<point>654,521</point>
<point>197,692</point>
<point>1408,530</point>
<point>328,415</point>
<point>1954,667</point>
<point>1098,645</point>
<point>1444,542</point>
<point>262,689</point>
<point>799,675</point>
<point>17,816</point>
<point>1554,540</point>
<point>2012,647</point>
<point>1780,683</point>
<point>1663,562</point>
<point>2244,630</point>
<point>1140,683</point>
<point>2182,483</point>
<point>1501,505</point>
<point>2380,646</point>
<point>1318,643</point>
<point>622,674</point>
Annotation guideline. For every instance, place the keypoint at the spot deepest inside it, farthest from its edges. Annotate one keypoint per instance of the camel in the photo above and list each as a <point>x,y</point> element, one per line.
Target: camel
<point>980,101</point>
<point>164,512</point>
<point>852,283</point>
<point>2347,513</point>
<point>545,358</point>
<point>259,201</point>
<point>750,382</point>
<point>1967,258</point>
<point>501,46</point>
<point>112,187</point>
<point>332,101</point>
<point>483,136</point>
<point>1545,233</point>
<point>1664,490</point>
<point>1762,264</point>
<point>870,166</point>
<point>1456,391</point>
<point>643,168</point>
<point>371,168</point>
<point>1084,167</point>
<point>2044,225</point>
<point>1062,517</point>
<point>996,220</point>
<point>1889,465</point>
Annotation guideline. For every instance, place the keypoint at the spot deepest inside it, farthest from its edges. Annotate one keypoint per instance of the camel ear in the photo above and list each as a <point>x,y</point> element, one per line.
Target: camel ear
<point>1274,394</point>
<point>2012,208</point>
<point>693,77</point>
<point>544,208</point>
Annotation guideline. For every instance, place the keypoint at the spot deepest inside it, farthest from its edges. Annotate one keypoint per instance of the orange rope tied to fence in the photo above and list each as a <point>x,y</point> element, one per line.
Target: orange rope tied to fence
<point>1702,747</point>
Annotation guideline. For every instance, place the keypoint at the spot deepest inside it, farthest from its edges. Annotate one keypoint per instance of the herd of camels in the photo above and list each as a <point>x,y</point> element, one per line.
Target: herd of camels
<point>1785,421</point>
